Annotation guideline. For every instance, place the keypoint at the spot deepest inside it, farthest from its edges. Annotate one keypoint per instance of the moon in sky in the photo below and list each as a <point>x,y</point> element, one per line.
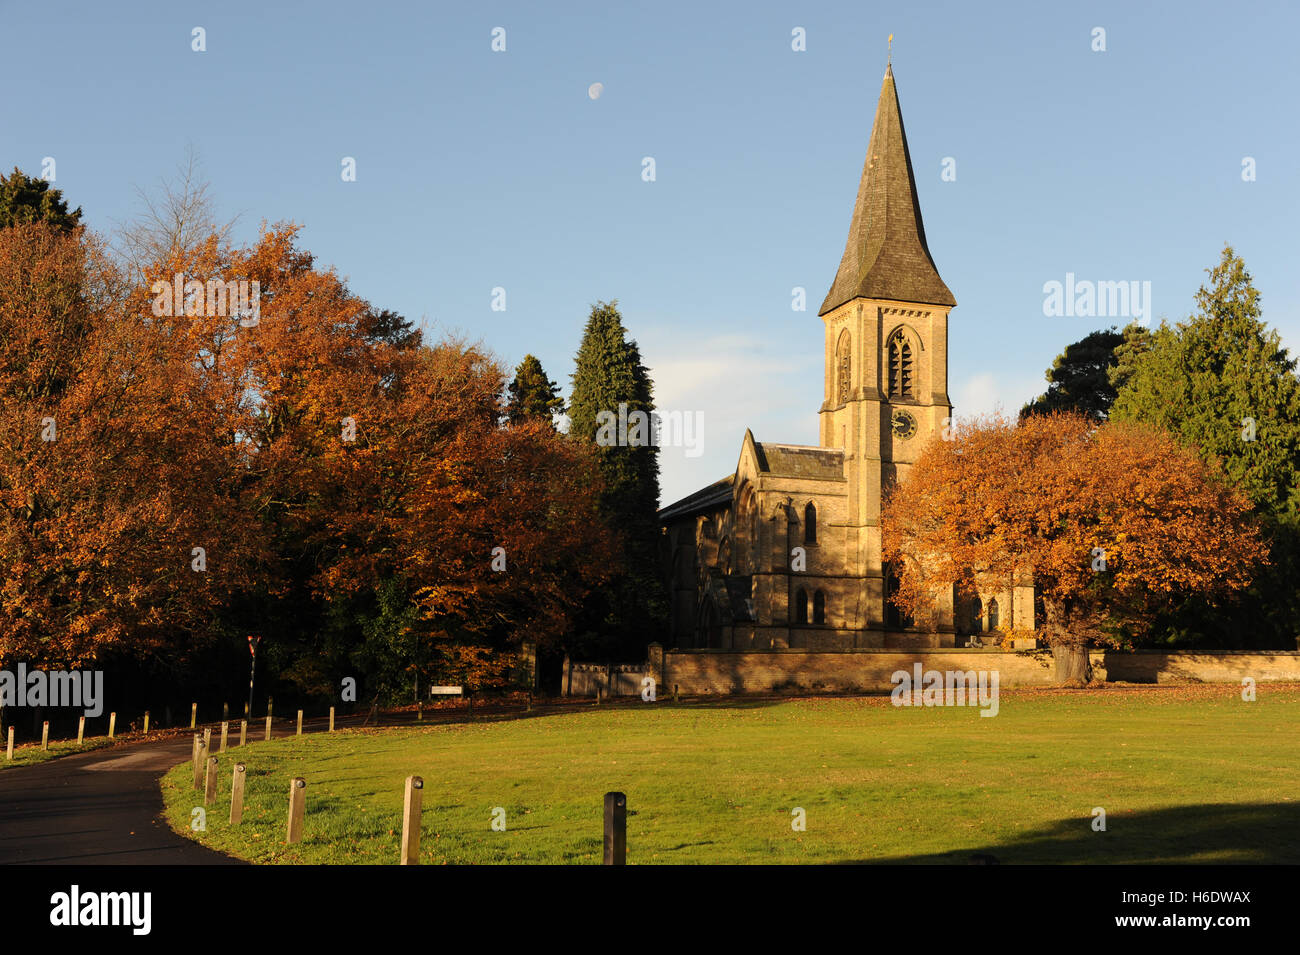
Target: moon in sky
<point>595,89</point>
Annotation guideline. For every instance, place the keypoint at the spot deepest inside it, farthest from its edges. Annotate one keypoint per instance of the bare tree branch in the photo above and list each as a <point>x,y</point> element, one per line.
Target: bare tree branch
<point>178,217</point>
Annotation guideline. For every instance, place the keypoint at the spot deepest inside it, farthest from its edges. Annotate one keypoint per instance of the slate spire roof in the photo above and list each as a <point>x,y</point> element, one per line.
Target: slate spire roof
<point>885,256</point>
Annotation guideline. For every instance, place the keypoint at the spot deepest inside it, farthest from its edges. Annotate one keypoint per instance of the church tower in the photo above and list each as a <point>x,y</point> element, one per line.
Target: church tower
<point>886,319</point>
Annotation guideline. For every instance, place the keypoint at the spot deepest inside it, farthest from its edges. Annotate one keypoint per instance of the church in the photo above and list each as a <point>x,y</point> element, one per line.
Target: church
<point>786,551</point>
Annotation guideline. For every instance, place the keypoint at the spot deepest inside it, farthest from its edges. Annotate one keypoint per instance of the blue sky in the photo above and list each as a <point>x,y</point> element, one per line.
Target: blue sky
<point>478,169</point>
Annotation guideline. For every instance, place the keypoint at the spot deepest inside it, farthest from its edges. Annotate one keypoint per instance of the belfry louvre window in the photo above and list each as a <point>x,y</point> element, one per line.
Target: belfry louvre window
<point>843,368</point>
<point>901,372</point>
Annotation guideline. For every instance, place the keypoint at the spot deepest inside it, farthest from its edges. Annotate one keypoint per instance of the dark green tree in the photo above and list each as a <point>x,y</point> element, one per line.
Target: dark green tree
<point>1223,383</point>
<point>1079,379</point>
<point>1137,342</point>
<point>532,395</point>
<point>384,325</point>
<point>611,385</point>
<point>24,199</point>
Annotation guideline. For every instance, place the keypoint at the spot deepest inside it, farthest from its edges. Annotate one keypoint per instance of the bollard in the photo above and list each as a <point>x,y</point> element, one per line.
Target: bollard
<point>225,730</point>
<point>199,759</point>
<point>331,719</point>
<point>411,810</point>
<point>297,805</point>
<point>112,725</point>
<point>45,735</point>
<point>615,829</point>
<point>210,784</point>
<point>11,742</point>
<point>146,722</point>
<point>194,750</point>
<point>194,715</point>
<point>268,727</point>
<point>237,795</point>
<point>81,730</point>
<point>300,722</point>
<point>243,732</point>
<point>207,740</point>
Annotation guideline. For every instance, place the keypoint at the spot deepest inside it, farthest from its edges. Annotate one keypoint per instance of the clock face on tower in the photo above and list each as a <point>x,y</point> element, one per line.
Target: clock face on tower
<point>904,424</point>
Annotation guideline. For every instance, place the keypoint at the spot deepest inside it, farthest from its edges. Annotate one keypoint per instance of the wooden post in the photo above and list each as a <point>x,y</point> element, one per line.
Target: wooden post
<point>146,722</point>
<point>243,732</point>
<point>45,735</point>
<point>237,795</point>
<point>112,725</point>
<point>210,784</point>
<point>194,750</point>
<point>268,726</point>
<point>615,829</point>
<point>200,754</point>
<point>11,742</point>
<point>331,719</point>
<point>411,809</point>
<point>300,722</point>
<point>297,805</point>
<point>269,702</point>
<point>207,740</point>
<point>194,715</point>
<point>225,731</point>
<point>81,730</point>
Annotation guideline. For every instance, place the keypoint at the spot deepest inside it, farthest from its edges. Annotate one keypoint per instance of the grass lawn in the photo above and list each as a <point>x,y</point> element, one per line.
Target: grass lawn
<point>29,754</point>
<point>1184,774</point>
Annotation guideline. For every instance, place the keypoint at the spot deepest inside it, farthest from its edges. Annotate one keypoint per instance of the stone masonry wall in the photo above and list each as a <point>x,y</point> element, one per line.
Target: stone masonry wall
<point>700,672</point>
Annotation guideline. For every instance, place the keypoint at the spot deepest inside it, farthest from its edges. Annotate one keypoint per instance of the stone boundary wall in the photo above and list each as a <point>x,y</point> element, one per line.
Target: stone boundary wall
<point>703,672</point>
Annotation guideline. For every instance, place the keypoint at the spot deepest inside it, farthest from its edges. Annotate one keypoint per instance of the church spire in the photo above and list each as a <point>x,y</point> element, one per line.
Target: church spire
<point>885,256</point>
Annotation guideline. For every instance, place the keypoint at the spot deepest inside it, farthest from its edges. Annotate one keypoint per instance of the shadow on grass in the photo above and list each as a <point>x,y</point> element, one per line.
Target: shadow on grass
<point>1237,833</point>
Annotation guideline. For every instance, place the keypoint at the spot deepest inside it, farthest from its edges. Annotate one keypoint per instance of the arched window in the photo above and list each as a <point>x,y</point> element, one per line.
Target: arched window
<point>993,614</point>
<point>895,618</point>
<point>810,523</point>
<point>843,368</point>
<point>801,606</point>
<point>819,607</point>
<point>901,383</point>
<point>977,616</point>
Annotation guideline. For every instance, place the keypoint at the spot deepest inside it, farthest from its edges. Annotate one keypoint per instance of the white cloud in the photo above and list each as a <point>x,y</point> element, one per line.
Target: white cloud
<point>733,383</point>
<point>994,394</point>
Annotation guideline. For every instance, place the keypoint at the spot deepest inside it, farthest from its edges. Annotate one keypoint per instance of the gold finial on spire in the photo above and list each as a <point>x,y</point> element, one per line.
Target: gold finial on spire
<point>890,57</point>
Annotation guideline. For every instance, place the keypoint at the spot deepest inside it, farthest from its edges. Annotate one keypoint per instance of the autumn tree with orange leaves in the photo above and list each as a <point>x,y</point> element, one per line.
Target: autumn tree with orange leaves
<point>183,470</point>
<point>1114,522</point>
<point>111,467</point>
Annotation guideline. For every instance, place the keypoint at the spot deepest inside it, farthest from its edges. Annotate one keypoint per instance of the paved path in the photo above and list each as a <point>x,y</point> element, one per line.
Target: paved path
<point>98,808</point>
<point>105,807</point>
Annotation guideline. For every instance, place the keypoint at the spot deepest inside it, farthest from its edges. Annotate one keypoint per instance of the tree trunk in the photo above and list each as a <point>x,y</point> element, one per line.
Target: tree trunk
<point>1072,663</point>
